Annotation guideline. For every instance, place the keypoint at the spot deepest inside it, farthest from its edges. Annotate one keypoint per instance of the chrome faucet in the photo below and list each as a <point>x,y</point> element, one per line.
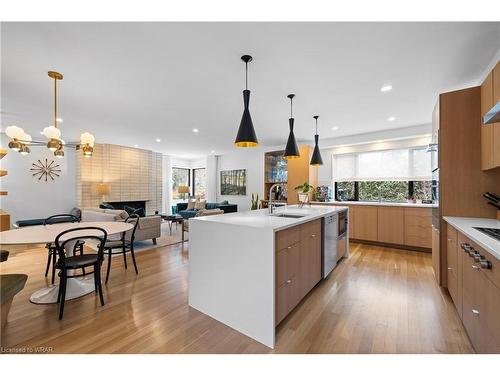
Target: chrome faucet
<point>270,203</point>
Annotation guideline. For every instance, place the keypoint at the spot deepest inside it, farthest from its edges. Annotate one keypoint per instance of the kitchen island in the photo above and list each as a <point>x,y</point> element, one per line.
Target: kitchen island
<point>248,270</point>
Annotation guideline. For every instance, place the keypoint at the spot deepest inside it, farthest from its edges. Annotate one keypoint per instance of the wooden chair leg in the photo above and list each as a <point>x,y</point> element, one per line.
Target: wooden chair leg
<point>124,256</point>
<point>63,293</point>
<point>97,278</point>
<point>54,258</point>
<point>109,265</point>
<point>133,258</point>
<point>49,258</point>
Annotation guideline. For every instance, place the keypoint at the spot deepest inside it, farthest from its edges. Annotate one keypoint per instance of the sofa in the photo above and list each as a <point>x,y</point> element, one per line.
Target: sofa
<point>149,227</point>
<point>186,214</point>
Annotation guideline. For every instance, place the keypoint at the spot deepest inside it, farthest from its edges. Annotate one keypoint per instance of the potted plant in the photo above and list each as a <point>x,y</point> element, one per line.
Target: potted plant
<point>303,192</point>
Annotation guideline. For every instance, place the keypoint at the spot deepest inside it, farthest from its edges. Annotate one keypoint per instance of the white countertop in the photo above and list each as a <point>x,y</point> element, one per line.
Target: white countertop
<point>466,225</point>
<point>360,203</point>
<point>262,218</point>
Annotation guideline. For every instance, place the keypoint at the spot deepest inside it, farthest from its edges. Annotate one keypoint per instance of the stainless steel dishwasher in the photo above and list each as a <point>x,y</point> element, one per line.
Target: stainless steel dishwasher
<point>330,236</point>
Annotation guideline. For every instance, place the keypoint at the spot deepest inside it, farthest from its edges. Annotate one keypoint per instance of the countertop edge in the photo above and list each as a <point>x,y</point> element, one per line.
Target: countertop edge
<point>377,204</point>
<point>468,231</point>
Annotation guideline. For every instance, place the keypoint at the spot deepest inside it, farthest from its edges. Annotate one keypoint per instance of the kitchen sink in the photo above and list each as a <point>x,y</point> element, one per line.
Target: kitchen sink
<point>290,216</point>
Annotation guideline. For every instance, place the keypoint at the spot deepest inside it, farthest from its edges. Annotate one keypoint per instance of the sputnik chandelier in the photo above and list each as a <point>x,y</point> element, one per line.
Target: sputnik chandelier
<point>20,140</point>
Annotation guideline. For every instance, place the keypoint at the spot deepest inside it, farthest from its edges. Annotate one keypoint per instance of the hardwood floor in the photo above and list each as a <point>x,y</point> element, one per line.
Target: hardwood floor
<point>380,300</point>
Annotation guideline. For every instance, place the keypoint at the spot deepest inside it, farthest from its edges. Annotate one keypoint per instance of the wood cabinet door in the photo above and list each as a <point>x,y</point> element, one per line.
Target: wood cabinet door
<point>436,263</point>
<point>452,263</point>
<point>366,223</point>
<point>310,260</point>
<point>390,225</point>
<point>351,221</point>
<point>287,280</point>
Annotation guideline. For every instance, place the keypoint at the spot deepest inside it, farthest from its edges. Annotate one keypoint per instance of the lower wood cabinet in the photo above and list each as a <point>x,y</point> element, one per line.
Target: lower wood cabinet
<point>436,253</point>
<point>366,223</point>
<point>298,265</point>
<point>418,223</point>
<point>390,225</point>
<point>475,290</point>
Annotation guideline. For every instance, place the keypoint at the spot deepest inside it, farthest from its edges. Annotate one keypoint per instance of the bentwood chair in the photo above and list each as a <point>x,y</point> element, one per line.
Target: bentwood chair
<point>123,245</point>
<point>67,263</point>
<point>52,252</point>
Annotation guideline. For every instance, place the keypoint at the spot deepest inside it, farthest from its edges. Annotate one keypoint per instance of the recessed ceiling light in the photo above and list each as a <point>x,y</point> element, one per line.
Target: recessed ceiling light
<point>392,118</point>
<point>213,151</point>
<point>59,119</point>
<point>195,130</point>
<point>136,146</point>
<point>386,88</point>
<point>335,128</point>
<point>158,139</point>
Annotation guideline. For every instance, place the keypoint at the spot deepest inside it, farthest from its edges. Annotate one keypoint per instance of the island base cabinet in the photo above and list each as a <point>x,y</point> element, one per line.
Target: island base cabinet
<point>298,265</point>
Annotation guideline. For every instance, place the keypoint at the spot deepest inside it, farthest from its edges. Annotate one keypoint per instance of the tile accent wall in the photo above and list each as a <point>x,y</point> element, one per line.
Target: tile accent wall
<point>132,174</point>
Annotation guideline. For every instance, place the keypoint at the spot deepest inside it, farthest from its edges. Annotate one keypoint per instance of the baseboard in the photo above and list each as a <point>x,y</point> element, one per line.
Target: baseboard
<point>392,245</point>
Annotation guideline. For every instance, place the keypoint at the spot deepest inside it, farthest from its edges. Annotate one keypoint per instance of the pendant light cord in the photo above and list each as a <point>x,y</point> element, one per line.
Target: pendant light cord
<point>55,103</point>
<point>291,104</point>
<point>316,126</point>
<point>246,75</point>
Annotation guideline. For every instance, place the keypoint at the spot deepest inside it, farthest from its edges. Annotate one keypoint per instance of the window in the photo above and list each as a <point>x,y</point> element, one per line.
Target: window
<point>180,177</point>
<point>389,175</point>
<point>200,182</point>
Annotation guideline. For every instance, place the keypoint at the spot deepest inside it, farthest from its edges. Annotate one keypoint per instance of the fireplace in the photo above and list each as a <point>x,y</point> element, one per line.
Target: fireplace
<point>133,204</point>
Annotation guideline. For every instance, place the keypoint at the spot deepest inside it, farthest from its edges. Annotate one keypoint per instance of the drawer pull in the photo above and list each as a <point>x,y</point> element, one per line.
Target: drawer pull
<point>289,247</point>
<point>486,264</point>
<point>450,269</point>
<point>475,312</point>
<point>475,267</point>
<point>313,235</point>
<point>289,281</point>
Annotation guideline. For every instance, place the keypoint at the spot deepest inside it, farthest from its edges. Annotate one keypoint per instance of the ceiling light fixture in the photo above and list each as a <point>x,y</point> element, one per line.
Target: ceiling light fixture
<point>136,146</point>
<point>158,140</point>
<point>291,149</point>
<point>392,118</point>
<point>20,139</point>
<point>386,88</point>
<point>246,136</point>
<point>195,130</point>
<point>316,159</point>
<point>335,128</point>
<point>213,151</point>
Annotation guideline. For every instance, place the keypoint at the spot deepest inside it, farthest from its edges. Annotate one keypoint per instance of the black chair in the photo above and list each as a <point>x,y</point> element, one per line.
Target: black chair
<point>123,245</point>
<point>52,253</point>
<point>64,263</point>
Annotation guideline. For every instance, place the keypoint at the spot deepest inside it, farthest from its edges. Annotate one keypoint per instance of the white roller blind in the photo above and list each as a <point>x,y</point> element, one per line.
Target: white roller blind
<point>386,165</point>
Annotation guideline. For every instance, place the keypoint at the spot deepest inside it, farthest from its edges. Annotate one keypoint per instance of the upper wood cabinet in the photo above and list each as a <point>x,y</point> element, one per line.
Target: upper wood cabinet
<point>391,225</point>
<point>490,134</point>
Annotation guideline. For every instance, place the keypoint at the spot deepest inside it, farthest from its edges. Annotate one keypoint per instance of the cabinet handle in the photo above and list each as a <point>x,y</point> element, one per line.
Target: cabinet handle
<point>450,269</point>
<point>289,247</point>
<point>475,267</point>
<point>475,312</point>
<point>289,281</point>
<point>485,264</point>
<point>313,235</point>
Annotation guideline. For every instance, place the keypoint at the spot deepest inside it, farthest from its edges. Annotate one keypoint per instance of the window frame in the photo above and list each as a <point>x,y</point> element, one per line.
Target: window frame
<point>193,189</point>
<point>183,169</point>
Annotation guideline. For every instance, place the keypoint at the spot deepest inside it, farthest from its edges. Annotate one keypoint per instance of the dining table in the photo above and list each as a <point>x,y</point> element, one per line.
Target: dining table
<point>44,234</point>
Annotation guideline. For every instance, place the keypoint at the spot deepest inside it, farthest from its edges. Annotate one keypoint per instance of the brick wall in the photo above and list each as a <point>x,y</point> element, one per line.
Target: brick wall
<point>132,174</point>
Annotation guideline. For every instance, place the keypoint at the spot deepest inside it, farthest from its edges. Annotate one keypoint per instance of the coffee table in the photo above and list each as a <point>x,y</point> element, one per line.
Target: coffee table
<point>171,219</point>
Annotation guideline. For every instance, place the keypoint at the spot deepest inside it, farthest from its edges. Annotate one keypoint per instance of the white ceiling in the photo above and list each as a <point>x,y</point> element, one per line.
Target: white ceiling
<point>129,83</point>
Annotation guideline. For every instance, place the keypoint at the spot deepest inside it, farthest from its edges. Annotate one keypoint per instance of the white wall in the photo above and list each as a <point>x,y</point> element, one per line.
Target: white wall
<point>29,198</point>
<point>251,159</point>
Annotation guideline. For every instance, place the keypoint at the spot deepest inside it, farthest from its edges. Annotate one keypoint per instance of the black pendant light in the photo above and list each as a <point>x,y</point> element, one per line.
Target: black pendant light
<point>246,136</point>
<point>316,159</point>
<point>291,150</point>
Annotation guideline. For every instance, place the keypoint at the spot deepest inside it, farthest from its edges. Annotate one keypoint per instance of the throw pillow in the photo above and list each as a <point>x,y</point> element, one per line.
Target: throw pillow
<point>76,212</point>
<point>200,205</point>
<point>106,206</point>
<point>139,212</point>
<point>224,202</point>
<point>191,204</point>
<point>129,209</point>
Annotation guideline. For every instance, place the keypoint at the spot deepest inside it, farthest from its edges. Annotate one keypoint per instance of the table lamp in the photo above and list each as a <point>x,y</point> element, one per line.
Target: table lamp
<point>183,189</point>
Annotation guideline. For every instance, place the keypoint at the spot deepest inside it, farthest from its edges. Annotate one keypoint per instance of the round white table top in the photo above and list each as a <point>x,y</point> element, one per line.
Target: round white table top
<point>41,234</point>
